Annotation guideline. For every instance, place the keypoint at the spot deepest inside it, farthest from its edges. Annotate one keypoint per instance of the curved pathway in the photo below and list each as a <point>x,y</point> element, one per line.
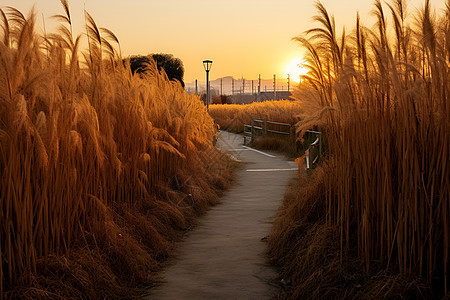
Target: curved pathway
<point>224,256</point>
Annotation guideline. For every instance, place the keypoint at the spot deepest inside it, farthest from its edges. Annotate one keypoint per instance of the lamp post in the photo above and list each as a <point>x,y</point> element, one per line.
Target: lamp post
<point>207,65</point>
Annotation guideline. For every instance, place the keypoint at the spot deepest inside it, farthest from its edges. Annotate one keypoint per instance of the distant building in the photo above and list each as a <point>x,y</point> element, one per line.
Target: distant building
<point>264,96</point>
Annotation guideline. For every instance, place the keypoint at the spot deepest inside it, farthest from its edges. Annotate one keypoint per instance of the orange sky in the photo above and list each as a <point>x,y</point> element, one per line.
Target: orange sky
<point>242,37</point>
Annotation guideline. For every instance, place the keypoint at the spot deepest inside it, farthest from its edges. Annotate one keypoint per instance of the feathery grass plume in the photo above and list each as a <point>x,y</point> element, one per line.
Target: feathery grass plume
<point>327,37</point>
<point>6,29</point>
<point>385,114</point>
<point>65,33</point>
<point>66,18</point>
<point>110,36</point>
<point>95,45</point>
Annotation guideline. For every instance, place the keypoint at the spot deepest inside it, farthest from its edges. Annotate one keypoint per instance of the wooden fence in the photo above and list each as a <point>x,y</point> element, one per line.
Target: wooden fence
<point>264,128</point>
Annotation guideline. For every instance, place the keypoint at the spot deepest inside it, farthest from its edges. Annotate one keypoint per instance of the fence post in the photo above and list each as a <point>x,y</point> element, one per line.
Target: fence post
<point>265,127</point>
<point>253,132</point>
<point>307,158</point>
<point>290,133</point>
<point>258,98</point>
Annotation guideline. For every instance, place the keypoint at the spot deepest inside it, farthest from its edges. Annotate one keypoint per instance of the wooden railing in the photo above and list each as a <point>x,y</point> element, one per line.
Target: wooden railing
<point>314,151</point>
<point>263,128</point>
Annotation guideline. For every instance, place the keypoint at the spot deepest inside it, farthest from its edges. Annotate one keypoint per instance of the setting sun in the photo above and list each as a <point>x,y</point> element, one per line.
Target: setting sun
<point>295,69</point>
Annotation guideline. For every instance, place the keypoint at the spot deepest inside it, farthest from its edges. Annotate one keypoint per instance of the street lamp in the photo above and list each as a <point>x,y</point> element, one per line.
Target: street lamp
<point>207,65</point>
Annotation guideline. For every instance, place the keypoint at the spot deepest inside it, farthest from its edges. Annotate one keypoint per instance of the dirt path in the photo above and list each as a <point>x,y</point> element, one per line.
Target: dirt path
<point>223,257</point>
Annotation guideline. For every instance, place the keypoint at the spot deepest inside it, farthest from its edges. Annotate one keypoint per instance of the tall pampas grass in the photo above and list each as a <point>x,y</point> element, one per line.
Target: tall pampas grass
<point>383,98</point>
<point>82,137</point>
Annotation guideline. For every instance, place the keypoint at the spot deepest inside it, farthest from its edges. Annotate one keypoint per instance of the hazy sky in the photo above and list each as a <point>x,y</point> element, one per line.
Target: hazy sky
<point>242,37</point>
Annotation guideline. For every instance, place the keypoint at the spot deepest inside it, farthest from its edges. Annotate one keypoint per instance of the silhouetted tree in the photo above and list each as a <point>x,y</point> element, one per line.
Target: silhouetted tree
<point>138,64</point>
<point>171,65</point>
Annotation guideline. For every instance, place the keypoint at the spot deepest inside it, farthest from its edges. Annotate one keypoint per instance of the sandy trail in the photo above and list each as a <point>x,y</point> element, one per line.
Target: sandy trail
<point>224,256</point>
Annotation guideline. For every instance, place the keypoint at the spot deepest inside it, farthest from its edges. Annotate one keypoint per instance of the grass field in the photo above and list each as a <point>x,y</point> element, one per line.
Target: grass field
<point>374,220</point>
<point>233,117</point>
<point>99,169</point>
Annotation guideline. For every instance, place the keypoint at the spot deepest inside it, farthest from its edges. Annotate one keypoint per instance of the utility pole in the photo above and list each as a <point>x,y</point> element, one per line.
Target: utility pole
<point>289,83</point>
<point>241,90</point>
<point>207,91</point>
<point>243,85</point>
<point>196,87</point>
<point>274,87</point>
<point>221,91</point>
<point>232,86</point>
<point>258,98</point>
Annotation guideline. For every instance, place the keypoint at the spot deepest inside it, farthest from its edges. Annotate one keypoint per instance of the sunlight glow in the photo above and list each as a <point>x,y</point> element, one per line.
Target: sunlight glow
<point>295,69</point>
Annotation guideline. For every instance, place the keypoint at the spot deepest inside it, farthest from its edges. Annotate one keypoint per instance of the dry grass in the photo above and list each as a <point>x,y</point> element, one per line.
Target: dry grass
<point>306,249</point>
<point>382,97</point>
<point>233,117</point>
<point>278,144</point>
<point>99,168</point>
